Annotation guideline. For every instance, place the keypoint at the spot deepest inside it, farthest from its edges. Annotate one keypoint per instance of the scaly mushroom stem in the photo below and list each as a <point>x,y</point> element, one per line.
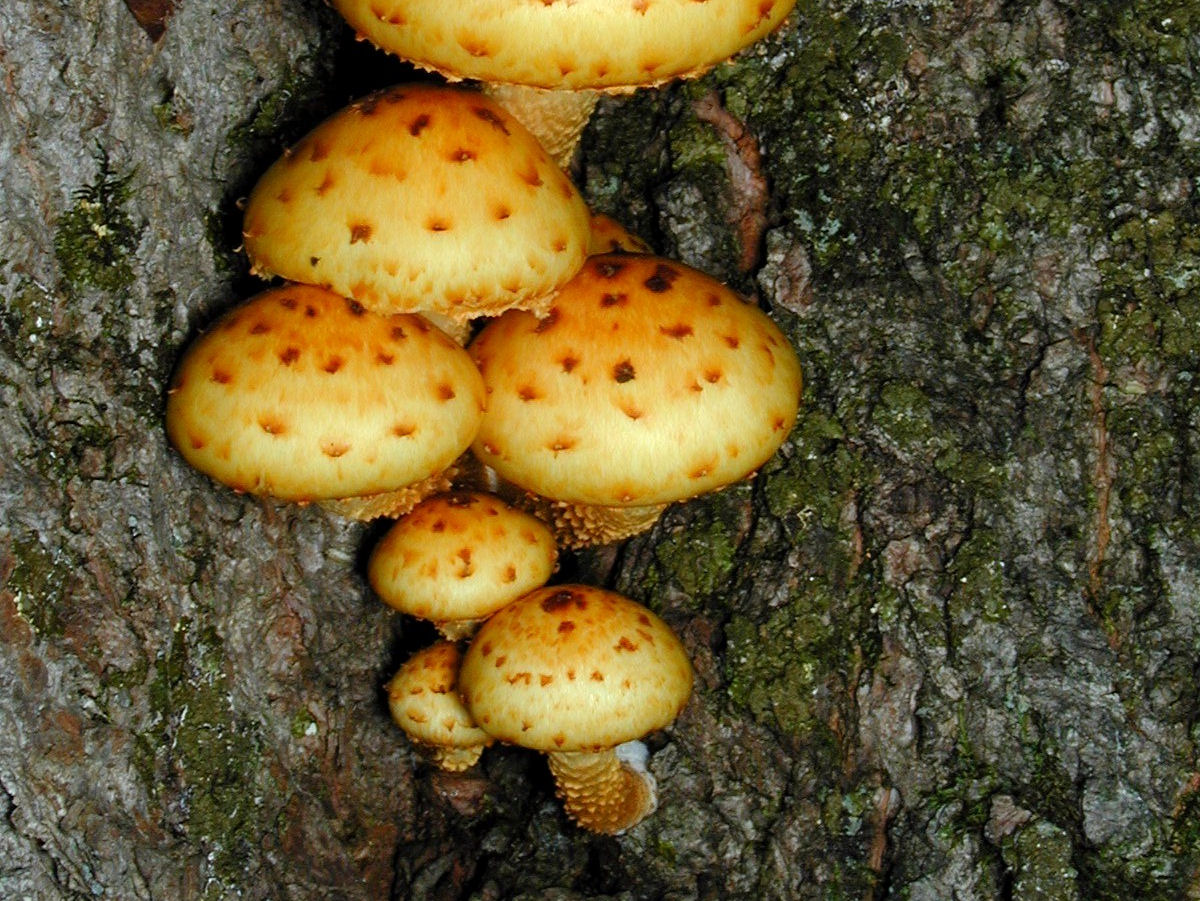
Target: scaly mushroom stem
<point>451,760</point>
<point>393,504</point>
<point>602,792</point>
<point>584,525</point>
<point>555,118</point>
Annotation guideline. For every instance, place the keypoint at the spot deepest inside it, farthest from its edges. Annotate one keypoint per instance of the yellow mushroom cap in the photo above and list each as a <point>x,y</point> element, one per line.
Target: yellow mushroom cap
<point>574,668</point>
<point>647,382</point>
<point>460,556</point>
<point>420,198</point>
<point>423,700</point>
<point>573,44</point>
<point>303,395</point>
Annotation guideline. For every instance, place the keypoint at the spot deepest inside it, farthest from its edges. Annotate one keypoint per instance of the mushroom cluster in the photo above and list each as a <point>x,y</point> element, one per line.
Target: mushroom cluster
<point>603,384</point>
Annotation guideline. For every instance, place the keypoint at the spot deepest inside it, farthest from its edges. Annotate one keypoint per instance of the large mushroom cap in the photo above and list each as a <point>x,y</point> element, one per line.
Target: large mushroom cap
<point>420,198</point>
<point>609,44</point>
<point>303,395</point>
<point>460,557</point>
<point>574,668</point>
<point>647,382</point>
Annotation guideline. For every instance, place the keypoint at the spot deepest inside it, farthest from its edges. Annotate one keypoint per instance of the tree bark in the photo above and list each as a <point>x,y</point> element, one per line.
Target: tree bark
<point>946,641</point>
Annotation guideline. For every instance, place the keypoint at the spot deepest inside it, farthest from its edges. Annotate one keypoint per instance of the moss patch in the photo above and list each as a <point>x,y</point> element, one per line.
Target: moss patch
<point>201,755</point>
<point>95,238</point>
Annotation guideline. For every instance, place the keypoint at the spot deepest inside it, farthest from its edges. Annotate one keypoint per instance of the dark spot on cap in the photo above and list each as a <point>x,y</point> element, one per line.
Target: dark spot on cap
<point>289,356</point>
<point>332,365</point>
<point>614,300</point>
<point>419,124</point>
<point>609,268</point>
<point>334,449</point>
<point>678,330</point>
<point>259,328</point>
<point>445,392</point>
<point>624,372</point>
<point>490,118</point>
<point>568,362</point>
<point>398,333</point>
<point>462,155</point>
<point>562,598</point>
<point>664,276</point>
<point>548,321</point>
<point>566,626</point>
<point>221,377</point>
<point>625,645</point>
<point>359,231</point>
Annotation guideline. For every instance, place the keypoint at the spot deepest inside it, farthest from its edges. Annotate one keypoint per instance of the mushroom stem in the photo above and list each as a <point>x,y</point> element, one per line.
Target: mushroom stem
<point>451,760</point>
<point>584,525</point>
<point>602,792</point>
<point>392,504</point>
<point>555,118</point>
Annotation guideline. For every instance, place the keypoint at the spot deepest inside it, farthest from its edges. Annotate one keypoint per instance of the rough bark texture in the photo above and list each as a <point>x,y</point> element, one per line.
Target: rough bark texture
<point>947,643</point>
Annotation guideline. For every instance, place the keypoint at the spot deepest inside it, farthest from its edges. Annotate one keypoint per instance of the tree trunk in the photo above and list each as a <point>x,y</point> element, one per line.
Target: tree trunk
<point>946,641</point>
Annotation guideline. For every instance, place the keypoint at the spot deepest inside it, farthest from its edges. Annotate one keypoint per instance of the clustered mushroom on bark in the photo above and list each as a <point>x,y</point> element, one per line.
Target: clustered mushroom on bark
<point>602,383</point>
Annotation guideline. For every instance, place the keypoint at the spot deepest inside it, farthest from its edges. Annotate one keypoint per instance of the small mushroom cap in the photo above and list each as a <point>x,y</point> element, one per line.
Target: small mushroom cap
<point>460,556</point>
<point>423,700</point>
<point>303,395</point>
<point>573,668</point>
<point>565,43</point>
<point>647,382</point>
<point>420,198</point>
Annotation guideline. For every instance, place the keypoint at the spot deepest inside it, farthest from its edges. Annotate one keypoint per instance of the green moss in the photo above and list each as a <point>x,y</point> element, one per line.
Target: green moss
<point>698,559</point>
<point>39,582</point>
<point>207,755</point>
<point>776,669</point>
<point>94,239</point>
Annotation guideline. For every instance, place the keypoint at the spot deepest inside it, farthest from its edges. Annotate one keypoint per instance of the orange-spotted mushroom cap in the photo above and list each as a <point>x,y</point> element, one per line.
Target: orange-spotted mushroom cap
<point>646,383</point>
<point>423,700</point>
<point>420,198</point>
<point>302,395</point>
<point>574,668</point>
<point>565,44</point>
<point>610,236</point>
<point>580,673</point>
<point>457,558</point>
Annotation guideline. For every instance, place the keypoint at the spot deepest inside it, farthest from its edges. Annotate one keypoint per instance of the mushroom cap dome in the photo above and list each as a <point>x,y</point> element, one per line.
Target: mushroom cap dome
<point>607,44</point>
<point>574,668</point>
<point>460,556</point>
<point>423,699</point>
<point>420,198</point>
<point>647,382</point>
<point>304,395</point>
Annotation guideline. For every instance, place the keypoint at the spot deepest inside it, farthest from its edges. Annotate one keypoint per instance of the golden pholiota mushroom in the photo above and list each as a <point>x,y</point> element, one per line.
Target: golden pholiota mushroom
<point>610,236</point>
<point>577,672</point>
<point>646,383</point>
<point>549,60</point>
<point>301,395</point>
<point>457,558</point>
<point>424,702</point>
<point>420,198</point>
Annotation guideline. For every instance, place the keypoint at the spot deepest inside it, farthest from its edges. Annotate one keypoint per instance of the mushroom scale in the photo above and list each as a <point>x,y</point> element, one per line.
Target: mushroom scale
<point>302,395</point>
<point>646,383</point>
<point>458,557</point>
<point>420,198</point>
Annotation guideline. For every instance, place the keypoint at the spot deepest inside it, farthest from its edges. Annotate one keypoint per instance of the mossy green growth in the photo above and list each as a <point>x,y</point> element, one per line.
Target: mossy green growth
<point>38,582</point>
<point>777,669</point>
<point>94,239</point>
<point>202,751</point>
